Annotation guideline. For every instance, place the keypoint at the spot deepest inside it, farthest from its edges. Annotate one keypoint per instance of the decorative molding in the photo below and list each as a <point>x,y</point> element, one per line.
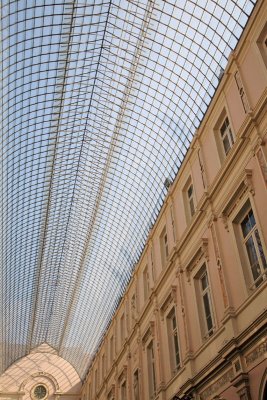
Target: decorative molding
<point>244,185</point>
<point>241,383</point>
<point>200,253</point>
<point>150,332</point>
<point>214,387</point>
<point>256,353</point>
<point>40,374</point>
<point>169,299</point>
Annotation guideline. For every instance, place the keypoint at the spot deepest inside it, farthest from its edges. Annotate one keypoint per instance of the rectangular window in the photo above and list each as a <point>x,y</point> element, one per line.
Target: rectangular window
<point>146,282</point>
<point>122,328</point>
<point>111,350</point>
<point>189,199</point>
<point>103,366</point>
<point>164,246</point>
<point>136,389</point>
<point>204,302</point>
<point>242,93</point>
<point>173,341</point>
<point>151,370</point>
<point>123,395</point>
<point>227,136</point>
<point>110,395</point>
<point>96,381</point>
<point>253,248</point>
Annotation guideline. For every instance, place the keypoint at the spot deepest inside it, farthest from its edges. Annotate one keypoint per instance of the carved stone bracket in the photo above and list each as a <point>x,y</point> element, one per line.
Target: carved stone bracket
<point>248,181</point>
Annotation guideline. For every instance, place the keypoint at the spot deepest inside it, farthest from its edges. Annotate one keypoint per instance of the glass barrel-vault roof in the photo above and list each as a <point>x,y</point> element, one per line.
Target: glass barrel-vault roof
<point>100,100</point>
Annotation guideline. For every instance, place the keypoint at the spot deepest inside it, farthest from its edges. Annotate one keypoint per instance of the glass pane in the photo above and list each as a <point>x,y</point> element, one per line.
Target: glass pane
<point>226,145</point>
<point>204,281</point>
<point>248,223</point>
<point>173,322</point>
<point>207,311</point>
<point>262,255</point>
<point>253,259</point>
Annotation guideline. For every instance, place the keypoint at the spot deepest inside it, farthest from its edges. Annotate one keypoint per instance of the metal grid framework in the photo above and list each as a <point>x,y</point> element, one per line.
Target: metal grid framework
<point>100,102</point>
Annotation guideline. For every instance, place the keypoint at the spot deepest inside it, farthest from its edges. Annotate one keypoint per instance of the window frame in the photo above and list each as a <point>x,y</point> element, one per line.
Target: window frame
<point>136,373</point>
<point>164,246</point>
<point>172,334</point>
<point>225,115</point>
<point>151,369</point>
<point>243,211</point>
<point>201,295</point>
<point>189,199</point>
<point>146,283</point>
<point>123,389</point>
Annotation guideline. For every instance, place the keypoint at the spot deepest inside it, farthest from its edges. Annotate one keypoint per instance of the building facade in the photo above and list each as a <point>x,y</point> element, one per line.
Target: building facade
<point>192,323</point>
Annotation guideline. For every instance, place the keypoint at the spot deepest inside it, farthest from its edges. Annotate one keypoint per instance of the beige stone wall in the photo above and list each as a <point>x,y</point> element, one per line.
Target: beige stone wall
<point>41,366</point>
<point>229,360</point>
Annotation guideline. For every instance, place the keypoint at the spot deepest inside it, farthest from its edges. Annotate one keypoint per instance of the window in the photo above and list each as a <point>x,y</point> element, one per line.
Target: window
<point>252,247</point>
<point>224,134</point>
<point>189,199</point>
<point>173,341</point>
<point>96,381</point>
<point>151,370</point>
<point>227,136</point>
<point>146,282</point>
<point>241,91</point>
<point>123,395</point>
<point>136,386</point>
<point>204,302</point>
<point>40,392</point>
<point>122,328</point>
<point>103,366</point>
<point>90,391</point>
<point>164,246</point>
<point>111,395</point>
<point>111,350</point>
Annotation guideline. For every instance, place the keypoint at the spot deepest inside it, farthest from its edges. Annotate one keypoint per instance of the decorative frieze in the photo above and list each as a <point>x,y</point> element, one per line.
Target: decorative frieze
<point>219,383</point>
<point>256,353</point>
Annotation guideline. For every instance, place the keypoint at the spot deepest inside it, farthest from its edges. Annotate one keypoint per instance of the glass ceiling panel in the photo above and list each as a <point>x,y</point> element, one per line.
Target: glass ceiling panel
<point>100,100</point>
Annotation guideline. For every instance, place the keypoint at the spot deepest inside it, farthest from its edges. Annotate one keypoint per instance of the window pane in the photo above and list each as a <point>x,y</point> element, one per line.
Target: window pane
<point>226,144</point>
<point>263,259</point>
<point>204,282</point>
<point>248,223</point>
<point>253,259</point>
